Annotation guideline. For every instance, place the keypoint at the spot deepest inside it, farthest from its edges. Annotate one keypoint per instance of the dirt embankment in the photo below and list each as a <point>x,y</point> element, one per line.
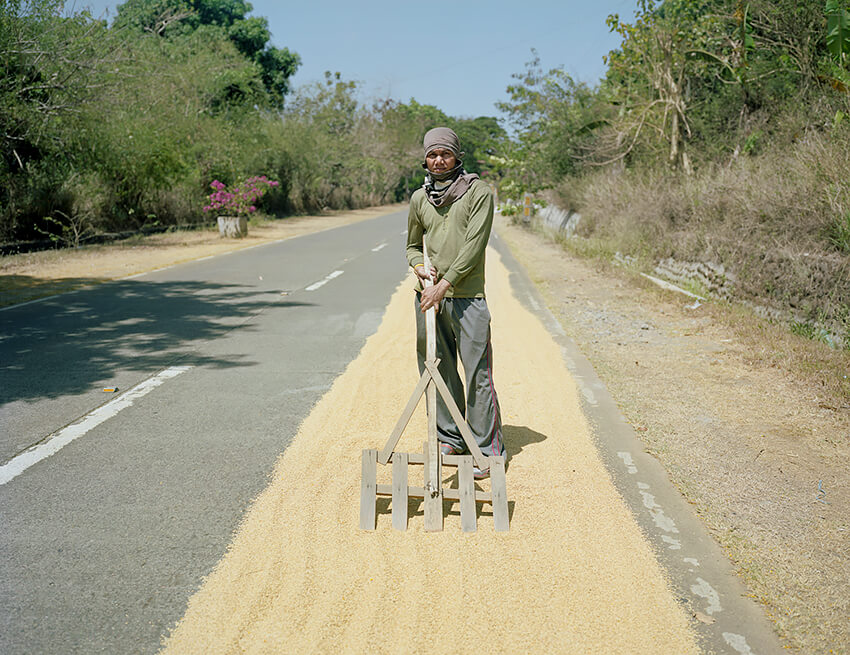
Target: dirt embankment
<point>760,452</point>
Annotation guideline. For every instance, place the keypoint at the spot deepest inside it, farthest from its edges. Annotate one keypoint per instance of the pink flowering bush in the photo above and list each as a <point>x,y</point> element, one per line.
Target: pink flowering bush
<point>239,199</point>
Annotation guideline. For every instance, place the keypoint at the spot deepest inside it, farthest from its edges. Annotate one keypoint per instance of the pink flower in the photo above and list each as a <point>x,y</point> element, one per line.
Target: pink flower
<point>239,198</point>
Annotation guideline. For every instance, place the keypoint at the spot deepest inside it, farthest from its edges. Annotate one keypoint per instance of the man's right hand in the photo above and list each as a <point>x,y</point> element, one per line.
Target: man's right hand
<point>422,273</point>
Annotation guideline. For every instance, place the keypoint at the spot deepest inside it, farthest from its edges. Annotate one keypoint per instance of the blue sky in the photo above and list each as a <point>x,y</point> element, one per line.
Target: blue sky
<point>458,56</point>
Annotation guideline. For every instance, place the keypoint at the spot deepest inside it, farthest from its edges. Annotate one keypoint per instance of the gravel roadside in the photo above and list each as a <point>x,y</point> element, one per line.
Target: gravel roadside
<point>760,456</point>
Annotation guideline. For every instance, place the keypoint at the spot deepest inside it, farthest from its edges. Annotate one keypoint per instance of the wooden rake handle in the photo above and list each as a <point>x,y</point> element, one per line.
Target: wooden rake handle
<point>431,314</point>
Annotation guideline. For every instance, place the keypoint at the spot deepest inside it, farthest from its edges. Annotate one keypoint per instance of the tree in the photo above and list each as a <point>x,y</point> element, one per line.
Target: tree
<point>51,67</point>
<point>250,34</point>
<point>555,118</point>
<point>481,138</point>
<point>649,74</point>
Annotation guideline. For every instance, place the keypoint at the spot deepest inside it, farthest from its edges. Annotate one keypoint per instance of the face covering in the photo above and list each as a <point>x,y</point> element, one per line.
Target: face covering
<point>460,183</point>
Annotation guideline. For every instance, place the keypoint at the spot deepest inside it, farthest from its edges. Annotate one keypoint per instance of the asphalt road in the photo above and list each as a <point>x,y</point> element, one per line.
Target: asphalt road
<point>114,507</point>
<point>103,541</point>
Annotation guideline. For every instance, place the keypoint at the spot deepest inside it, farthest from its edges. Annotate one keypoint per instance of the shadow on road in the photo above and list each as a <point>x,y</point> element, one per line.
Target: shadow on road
<point>518,437</point>
<point>68,344</point>
<point>16,289</point>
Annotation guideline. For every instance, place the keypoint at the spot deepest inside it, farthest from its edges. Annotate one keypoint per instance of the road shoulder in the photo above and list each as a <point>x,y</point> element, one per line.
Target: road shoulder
<point>746,447</point>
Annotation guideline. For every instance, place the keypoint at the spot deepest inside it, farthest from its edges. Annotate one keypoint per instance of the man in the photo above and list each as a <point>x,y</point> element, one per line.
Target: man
<point>454,211</point>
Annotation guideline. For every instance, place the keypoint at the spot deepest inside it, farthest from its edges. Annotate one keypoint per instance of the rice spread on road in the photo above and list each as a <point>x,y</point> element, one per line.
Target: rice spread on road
<point>573,575</point>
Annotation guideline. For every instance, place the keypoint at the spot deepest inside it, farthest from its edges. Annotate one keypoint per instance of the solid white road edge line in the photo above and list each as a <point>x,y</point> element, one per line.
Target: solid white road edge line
<point>321,283</point>
<point>58,440</point>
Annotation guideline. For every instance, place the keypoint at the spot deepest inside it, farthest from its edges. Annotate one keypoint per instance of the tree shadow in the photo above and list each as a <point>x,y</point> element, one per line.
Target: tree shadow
<point>16,289</point>
<point>66,344</point>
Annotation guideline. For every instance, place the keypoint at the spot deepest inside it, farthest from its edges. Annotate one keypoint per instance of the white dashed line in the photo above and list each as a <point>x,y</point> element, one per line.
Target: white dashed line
<point>709,593</point>
<point>628,461</point>
<point>58,440</point>
<point>381,247</point>
<point>655,511</point>
<point>738,642</point>
<point>321,283</point>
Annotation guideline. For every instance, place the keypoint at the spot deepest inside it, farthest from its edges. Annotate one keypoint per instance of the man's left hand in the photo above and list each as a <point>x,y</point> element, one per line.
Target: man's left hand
<point>431,296</point>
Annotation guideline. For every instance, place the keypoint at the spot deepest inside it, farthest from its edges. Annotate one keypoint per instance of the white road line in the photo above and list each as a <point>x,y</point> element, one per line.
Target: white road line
<point>63,437</point>
<point>321,283</point>
<point>28,302</point>
<point>381,247</point>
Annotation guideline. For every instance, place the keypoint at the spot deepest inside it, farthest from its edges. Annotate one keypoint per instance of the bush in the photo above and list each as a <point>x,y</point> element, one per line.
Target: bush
<point>777,222</point>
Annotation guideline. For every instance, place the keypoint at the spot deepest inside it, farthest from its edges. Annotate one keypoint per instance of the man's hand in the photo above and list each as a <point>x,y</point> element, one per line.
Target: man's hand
<point>423,274</point>
<point>431,296</point>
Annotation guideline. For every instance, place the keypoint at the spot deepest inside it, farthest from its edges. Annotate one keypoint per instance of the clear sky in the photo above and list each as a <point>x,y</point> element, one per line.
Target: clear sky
<point>458,56</point>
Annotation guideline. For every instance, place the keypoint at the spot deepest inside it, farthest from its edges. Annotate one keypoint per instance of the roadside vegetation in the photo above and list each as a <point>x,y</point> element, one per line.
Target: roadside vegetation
<point>719,135</point>
<point>121,127</point>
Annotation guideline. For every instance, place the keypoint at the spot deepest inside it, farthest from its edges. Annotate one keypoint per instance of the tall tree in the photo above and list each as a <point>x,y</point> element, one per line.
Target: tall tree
<point>250,34</point>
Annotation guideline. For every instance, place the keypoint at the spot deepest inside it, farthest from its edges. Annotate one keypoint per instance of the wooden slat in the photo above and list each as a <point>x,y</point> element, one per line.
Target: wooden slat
<point>448,493</point>
<point>433,467</point>
<point>468,438</point>
<point>404,419</point>
<point>447,460</point>
<point>433,500</point>
<point>368,489</point>
<point>466,490</point>
<point>498,487</point>
<point>399,491</point>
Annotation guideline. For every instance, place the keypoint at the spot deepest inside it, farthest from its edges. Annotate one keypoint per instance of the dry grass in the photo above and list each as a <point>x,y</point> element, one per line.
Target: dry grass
<point>780,223</point>
<point>813,363</point>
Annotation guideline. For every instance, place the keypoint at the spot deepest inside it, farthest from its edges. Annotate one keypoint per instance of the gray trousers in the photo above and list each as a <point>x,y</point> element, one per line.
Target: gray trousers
<point>463,328</point>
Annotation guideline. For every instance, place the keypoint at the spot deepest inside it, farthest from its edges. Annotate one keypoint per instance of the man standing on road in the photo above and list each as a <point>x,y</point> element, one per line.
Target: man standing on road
<point>454,211</point>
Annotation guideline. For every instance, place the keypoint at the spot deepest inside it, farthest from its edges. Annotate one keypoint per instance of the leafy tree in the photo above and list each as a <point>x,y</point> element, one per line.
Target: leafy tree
<point>555,118</point>
<point>51,68</point>
<point>481,138</point>
<point>838,30</point>
<point>648,76</point>
<point>250,34</point>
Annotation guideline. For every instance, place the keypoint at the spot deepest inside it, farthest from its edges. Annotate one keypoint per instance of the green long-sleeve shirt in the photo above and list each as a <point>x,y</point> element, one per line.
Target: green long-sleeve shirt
<point>456,235</point>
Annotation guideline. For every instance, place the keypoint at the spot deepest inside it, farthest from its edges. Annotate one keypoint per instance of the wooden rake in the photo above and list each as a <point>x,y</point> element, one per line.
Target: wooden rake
<point>432,459</point>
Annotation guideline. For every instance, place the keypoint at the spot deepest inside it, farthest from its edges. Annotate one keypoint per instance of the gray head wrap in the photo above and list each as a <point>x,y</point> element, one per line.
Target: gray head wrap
<point>442,137</point>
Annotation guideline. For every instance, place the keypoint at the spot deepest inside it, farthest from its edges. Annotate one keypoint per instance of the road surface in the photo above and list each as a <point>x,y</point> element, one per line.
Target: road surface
<point>218,488</point>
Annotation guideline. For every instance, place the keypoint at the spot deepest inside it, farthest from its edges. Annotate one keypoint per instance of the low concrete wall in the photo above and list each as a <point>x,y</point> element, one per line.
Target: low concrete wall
<point>559,219</point>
